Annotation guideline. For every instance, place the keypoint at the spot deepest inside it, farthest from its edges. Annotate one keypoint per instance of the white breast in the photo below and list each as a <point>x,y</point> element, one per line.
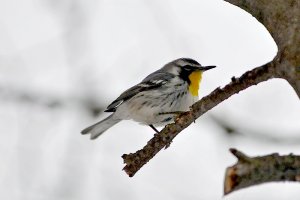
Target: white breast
<point>146,107</point>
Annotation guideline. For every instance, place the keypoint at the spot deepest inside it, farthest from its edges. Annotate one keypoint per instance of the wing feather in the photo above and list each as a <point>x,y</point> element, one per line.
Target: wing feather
<point>153,81</point>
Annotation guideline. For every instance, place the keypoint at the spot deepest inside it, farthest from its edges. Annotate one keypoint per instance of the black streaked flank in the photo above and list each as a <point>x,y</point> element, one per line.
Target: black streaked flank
<point>154,105</point>
<point>167,96</point>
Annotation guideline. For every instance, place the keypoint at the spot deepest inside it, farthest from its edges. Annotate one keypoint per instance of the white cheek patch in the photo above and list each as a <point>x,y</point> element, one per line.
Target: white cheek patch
<point>174,70</point>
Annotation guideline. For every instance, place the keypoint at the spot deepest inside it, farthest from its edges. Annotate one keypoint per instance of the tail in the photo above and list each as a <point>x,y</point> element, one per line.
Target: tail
<point>97,129</point>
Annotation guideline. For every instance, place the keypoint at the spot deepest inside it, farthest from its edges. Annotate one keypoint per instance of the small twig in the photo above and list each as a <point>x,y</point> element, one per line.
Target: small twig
<point>241,156</point>
<point>249,171</point>
<point>253,133</point>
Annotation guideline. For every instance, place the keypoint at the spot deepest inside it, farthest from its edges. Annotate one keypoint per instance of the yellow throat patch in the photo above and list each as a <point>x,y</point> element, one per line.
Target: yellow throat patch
<point>195,78</point>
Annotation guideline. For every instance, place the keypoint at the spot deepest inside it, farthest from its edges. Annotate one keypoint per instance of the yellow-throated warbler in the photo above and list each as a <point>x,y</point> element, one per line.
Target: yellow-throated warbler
<point>171,89</point>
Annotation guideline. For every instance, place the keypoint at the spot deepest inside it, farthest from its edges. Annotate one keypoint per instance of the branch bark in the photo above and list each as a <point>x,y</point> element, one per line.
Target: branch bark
<point>282,19</point>
<point>249,171</point>
<point>134,161</point>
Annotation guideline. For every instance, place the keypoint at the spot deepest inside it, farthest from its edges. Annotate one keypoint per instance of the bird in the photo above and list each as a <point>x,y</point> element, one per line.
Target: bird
<point>157,98</point>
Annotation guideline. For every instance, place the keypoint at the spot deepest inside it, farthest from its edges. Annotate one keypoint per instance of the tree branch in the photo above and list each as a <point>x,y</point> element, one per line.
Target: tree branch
<point>19,95</point>
<point>254,133</point>
<point>134,161</point>
<point>249,171</point>
<point>281,18</point>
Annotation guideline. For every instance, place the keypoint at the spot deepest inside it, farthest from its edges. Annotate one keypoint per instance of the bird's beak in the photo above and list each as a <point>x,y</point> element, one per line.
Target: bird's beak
<point>205,68</point>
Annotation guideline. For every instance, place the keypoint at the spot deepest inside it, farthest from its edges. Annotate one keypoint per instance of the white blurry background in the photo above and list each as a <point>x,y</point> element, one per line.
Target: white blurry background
<point>63,61</point>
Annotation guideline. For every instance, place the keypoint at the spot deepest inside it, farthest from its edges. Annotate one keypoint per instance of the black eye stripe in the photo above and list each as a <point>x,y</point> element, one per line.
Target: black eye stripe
<point>184,75</point>
<point>189,67</point>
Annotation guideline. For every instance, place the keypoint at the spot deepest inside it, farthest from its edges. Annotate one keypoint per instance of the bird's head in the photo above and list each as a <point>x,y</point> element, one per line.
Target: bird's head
<point>188,70</point>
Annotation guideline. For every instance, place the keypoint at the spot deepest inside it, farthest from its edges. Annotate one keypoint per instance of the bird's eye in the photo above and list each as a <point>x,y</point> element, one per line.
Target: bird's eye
<point>189,67</point>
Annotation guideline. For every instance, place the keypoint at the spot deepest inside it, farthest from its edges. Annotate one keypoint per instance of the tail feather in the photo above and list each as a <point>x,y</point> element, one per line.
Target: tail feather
<point>97,129</point>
